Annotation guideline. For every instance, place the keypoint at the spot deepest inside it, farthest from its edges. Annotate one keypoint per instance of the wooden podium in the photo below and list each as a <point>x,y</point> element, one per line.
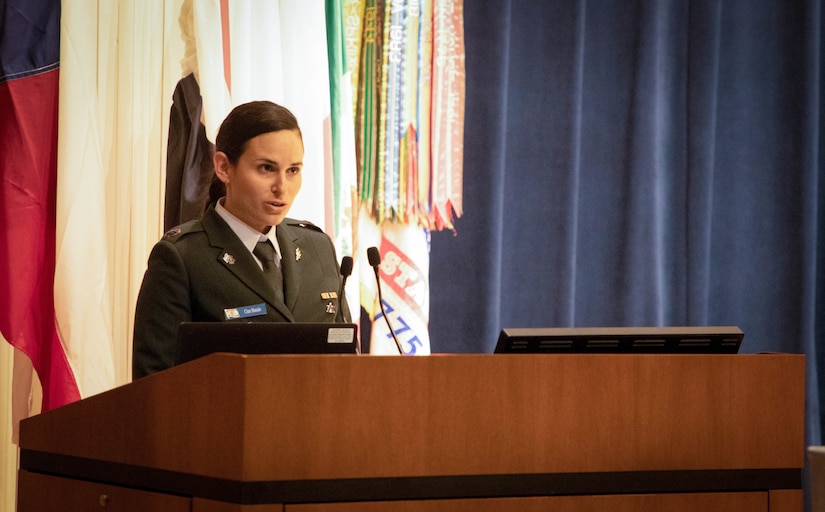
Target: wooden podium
<point>341,433</point>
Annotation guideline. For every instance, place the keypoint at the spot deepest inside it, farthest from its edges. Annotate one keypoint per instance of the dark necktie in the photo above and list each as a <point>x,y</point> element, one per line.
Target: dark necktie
<point>272,268</point>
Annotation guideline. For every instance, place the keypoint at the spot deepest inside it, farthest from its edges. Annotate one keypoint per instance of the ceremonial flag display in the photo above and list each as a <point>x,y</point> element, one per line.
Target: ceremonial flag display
<point>377,86</point>
<point>409,133</point>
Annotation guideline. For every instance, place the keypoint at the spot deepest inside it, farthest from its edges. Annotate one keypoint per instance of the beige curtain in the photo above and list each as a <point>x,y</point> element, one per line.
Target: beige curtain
<point>119,65</point>
<point>14,366</point>
<point>8,450</point>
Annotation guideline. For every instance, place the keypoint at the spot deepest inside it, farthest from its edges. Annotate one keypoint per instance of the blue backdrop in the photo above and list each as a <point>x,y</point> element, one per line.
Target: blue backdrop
<point>635,163</point>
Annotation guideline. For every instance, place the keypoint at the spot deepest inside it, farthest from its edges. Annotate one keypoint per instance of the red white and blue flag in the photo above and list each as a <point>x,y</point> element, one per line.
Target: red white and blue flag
<point>29,62</point>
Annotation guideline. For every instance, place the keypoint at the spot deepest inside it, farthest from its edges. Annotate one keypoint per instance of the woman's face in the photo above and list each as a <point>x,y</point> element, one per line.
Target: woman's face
<point>262,186</point>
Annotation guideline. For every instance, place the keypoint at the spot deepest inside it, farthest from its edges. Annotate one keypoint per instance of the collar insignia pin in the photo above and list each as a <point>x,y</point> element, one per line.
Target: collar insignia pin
<point>298,254</point>
<point>228,258</point>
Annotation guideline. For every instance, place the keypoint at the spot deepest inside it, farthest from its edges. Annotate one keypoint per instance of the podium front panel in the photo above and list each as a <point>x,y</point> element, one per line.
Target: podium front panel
<point>248,429</point>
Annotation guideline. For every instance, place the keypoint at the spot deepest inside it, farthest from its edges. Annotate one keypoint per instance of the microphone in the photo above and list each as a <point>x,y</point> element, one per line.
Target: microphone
<point>346,270</point>
<point>374,257</point>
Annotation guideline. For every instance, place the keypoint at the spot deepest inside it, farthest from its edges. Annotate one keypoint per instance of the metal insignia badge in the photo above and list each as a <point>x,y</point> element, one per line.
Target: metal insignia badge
<point>228,258</point>
<point>298,254</point>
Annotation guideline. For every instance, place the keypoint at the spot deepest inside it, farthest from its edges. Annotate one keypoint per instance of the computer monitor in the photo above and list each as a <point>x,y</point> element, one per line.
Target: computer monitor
<point>620,340</point>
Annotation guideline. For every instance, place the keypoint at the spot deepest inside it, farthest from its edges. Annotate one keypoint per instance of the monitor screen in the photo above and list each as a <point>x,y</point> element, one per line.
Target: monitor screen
<point>620,340</point>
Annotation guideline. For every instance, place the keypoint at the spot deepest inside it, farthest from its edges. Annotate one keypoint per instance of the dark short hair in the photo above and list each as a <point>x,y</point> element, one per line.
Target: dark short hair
<point>249,120</point>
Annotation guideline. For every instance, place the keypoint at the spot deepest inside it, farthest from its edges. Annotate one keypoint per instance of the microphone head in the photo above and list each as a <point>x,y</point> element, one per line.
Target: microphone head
<point>373,256</point>
<point>346,266</point>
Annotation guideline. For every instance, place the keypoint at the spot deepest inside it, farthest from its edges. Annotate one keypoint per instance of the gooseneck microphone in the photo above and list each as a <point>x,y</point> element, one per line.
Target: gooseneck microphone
<point>346,270</point>
<point>374,257</point>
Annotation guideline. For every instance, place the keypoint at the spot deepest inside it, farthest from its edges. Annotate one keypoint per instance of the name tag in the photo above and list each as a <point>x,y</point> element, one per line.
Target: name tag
<point>245,311</point>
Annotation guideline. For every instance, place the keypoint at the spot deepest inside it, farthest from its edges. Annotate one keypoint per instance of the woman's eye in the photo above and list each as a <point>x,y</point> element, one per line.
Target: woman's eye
<point>294,170</point>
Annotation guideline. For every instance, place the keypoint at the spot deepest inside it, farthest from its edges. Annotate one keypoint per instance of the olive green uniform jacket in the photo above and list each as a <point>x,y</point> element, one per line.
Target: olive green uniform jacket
<point>202,272</point>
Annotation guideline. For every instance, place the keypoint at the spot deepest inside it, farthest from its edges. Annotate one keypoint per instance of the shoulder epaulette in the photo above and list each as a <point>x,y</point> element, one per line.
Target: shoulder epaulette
<point>303,224</point>
<point>185,228</point>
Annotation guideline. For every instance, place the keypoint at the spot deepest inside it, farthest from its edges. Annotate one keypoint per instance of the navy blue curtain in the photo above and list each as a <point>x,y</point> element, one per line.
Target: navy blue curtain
<point>639,163</point>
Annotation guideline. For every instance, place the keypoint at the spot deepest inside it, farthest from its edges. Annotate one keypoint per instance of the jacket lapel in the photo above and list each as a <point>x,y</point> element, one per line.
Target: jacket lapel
<point>291,256</point>
<point>235,257</point>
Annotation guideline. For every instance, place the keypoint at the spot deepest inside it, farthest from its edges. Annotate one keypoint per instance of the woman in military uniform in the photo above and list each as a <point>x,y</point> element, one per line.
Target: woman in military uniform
<point>243,260</point>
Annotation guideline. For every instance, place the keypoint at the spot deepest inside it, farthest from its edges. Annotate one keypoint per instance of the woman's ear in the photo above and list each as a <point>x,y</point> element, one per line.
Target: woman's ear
<point>221,164</point>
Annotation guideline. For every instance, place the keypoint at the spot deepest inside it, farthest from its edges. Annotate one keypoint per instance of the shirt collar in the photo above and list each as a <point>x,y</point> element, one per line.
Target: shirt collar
<point>249,236</point>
